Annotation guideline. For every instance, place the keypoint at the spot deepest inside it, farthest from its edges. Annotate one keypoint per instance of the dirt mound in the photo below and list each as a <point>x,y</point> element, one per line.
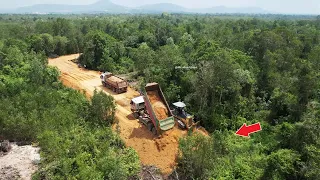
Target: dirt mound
<point>167,139</point>
<point>160,110</point>
<point>158,105</point>
<point>115,79</point>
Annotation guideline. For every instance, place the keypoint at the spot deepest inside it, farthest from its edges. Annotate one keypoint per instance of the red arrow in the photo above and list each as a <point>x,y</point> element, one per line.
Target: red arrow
<point>247,130</point>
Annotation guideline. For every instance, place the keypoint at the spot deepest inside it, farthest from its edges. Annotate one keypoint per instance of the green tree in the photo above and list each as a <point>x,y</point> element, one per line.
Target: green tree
<point>62,27</point>
<point>285,161</point>
<point>143,57</point>
<point>60,44</point>
<point>48,43</point>
<point>102,109</point>
<point>97,51</point>
<point>197,157</point>
<point>43,42</point>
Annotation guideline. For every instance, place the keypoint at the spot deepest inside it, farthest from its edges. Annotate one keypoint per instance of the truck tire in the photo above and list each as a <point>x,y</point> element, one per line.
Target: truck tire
<point>154,131</point>
<point>150,126</point>
<point>136,115</point>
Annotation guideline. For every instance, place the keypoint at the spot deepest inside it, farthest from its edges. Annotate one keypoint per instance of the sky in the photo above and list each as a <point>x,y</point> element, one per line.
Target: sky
<point>281,6</point>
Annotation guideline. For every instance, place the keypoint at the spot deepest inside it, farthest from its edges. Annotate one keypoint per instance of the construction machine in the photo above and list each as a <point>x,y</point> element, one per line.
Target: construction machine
<point>184,119</point>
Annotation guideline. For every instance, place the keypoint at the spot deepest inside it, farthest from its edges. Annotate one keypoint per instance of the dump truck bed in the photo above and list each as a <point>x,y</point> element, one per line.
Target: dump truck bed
<point>158,108</point>
<point>115,79</point>
<point>117,82</point>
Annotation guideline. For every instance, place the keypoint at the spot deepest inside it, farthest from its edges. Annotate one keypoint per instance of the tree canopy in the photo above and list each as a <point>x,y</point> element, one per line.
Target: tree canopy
<point>228,70</point>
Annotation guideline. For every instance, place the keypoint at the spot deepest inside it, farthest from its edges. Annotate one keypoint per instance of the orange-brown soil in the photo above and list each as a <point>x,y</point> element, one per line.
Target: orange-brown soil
<point>158,105</point>
<point>160,152</point>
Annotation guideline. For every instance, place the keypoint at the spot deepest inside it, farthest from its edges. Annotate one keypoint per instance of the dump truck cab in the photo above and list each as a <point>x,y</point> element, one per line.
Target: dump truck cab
<point>137,106</point>
<point>184,119</point>
<point>104,76</point>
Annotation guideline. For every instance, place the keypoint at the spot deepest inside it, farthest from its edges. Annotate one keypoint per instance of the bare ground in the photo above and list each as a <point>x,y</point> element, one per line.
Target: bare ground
<point>19,163</point>
<point>160,152</point>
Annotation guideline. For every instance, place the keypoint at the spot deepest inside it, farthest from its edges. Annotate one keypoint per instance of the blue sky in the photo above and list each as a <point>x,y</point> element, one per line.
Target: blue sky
<point>281,6</point>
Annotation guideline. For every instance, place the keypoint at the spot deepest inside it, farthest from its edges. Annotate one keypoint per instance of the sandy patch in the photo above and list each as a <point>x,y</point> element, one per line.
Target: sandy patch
<point>19,163</point>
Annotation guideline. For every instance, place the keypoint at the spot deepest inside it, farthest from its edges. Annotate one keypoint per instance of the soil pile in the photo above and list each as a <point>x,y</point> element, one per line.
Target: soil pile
<point>115,79</point>
<point>158,106</point>
<point>168,139</point>
<point>162,143</point>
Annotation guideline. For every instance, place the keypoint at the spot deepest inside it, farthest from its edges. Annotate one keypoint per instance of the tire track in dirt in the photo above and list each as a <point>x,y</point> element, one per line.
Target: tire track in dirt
<point>152,151</point>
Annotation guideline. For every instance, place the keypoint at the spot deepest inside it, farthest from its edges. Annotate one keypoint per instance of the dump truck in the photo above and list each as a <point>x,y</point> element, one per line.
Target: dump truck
<point>116,84</point>
<point>155,114</point>
<point>184,119</point>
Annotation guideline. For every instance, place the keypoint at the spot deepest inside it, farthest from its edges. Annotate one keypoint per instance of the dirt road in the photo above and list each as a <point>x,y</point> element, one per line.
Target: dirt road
<point>159,152</point>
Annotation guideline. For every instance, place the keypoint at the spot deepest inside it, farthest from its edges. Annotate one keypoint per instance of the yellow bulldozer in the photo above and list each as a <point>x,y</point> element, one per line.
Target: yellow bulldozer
<point>184,119</point>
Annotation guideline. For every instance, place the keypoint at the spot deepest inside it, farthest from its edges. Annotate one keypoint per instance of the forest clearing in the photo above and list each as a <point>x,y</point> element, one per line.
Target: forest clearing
<point>152,151</point>
<point>160,96</point>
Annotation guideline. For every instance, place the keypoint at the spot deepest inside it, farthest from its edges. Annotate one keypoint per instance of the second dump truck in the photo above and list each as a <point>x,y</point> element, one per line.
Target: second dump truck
<point>116,84</point>
<point>153,110</point>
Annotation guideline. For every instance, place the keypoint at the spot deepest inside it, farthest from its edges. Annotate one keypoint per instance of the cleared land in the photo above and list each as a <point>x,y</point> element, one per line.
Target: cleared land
<point>152,151</point>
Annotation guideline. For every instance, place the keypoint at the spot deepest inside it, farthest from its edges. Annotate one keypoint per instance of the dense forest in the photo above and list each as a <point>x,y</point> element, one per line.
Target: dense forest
<point>228,70</point>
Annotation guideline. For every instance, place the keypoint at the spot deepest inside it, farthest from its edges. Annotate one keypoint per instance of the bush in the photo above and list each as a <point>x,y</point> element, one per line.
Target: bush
<point>102,109</point>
